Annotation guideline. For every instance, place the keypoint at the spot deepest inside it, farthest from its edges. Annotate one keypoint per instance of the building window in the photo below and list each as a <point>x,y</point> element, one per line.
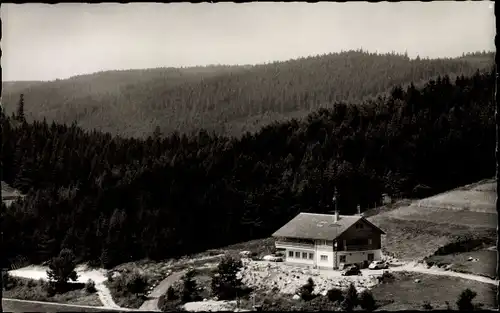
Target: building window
<point>369,241</point>
<point>359,226</point>
<point>304,255</point>
<point>324,258</point>
<point>297,255</point>
<point>311,256</point>
<point>290,254</point>
<point>371,257</point>
<point>342,259</point>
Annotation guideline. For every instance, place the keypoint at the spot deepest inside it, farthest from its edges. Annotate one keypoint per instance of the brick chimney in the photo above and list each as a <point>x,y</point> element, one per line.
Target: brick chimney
<point>336,216</point>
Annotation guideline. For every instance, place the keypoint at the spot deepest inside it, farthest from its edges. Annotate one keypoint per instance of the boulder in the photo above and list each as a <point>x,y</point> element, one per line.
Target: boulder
<point>296,297</point>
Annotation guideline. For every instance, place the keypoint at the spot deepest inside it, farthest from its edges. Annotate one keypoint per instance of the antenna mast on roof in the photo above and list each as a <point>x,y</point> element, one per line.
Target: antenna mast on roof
<point>334,199</point>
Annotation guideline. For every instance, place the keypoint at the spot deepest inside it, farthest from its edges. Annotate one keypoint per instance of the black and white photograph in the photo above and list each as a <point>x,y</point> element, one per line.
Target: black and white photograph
<point>259,156</point>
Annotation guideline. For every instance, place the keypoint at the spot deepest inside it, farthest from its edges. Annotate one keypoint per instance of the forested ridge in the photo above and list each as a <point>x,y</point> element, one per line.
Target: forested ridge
<point>112,199</point>
<point>229,100</point>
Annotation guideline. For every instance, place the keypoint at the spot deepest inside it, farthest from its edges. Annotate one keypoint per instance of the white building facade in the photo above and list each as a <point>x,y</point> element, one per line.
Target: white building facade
<point>348,240</point>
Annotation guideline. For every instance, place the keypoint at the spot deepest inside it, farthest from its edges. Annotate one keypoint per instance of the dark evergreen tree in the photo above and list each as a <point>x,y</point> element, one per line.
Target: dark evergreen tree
<point>62,269</point>
<point>20,109</point>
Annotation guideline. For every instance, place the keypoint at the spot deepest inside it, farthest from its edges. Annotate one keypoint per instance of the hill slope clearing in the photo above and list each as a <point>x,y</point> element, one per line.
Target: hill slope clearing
<point>466,214</point>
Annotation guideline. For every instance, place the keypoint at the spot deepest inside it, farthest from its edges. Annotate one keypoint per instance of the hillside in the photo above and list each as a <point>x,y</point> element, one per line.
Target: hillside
<point>419,229</point>
<point>226,99</point>
<point>113,199</point>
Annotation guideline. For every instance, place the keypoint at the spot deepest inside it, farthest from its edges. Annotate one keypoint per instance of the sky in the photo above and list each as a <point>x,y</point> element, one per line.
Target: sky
<point>45,42</point>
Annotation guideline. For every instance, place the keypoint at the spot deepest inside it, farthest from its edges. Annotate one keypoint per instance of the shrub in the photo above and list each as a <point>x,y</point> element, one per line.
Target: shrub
<point>171,295</point>
<point>109,276</point>
<point>136,283</point>
<point>169,306</point>
<point>128,289</point>
<point>306,291</point>
<point>90,286</point>
<point>50,290</point>
<point>319,303</point>
<point>386,277</point>
<point>366,300</point>
<point>426,305</point>
<point>189,290</point>
<point>9,282</point>
<point>225,283</point>
<point>350,298</point>
<point>448,306</point>
<point>335,295</point>
<point>464,302</point>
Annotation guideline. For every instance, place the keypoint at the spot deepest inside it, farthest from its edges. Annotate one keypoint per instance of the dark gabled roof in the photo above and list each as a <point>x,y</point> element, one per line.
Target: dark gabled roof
<point>319,226</point>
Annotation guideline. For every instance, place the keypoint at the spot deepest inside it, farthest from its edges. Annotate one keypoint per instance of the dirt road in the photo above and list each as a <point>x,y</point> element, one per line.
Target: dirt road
<point>105,297</point>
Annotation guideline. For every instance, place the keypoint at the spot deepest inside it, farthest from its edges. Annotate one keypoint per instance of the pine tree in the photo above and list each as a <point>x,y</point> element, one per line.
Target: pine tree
<point>189,292</point>
<point>225,282</point>
<point>20,109</point>
<point>157,133</point>
<point>62,269</point>
<point>464,302</point>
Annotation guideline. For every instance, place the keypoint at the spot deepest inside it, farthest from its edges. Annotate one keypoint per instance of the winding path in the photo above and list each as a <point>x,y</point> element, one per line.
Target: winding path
<point>106,297</point>
<point>152,303</point>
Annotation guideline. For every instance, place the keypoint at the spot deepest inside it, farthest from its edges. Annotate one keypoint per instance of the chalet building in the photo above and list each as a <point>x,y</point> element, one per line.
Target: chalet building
<point>329,241</point>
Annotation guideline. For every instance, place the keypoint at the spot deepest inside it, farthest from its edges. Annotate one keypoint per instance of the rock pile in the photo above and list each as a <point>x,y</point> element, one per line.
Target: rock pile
<point>263,275</point>
<point>210,306</point>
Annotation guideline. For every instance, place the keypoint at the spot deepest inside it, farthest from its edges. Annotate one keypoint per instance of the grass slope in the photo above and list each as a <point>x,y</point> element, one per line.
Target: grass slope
<point>405,294</point>
<point>36,290</point>
<point>225,99</point>
<point>415,231</point>
<point>459,262</point>
<point>12,305</point>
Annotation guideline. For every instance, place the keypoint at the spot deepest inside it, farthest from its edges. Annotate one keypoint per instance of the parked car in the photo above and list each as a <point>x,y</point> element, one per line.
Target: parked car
<point>351,271</point>
<point>378,265</point>
<point>272,258</point>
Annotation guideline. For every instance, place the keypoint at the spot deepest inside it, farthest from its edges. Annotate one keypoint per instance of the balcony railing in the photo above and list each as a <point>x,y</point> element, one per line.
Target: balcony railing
<point>360,248</point>
<point>293,244</point>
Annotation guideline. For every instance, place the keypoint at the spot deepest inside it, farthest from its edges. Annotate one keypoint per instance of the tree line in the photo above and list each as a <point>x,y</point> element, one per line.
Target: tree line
<point>112,199</point>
